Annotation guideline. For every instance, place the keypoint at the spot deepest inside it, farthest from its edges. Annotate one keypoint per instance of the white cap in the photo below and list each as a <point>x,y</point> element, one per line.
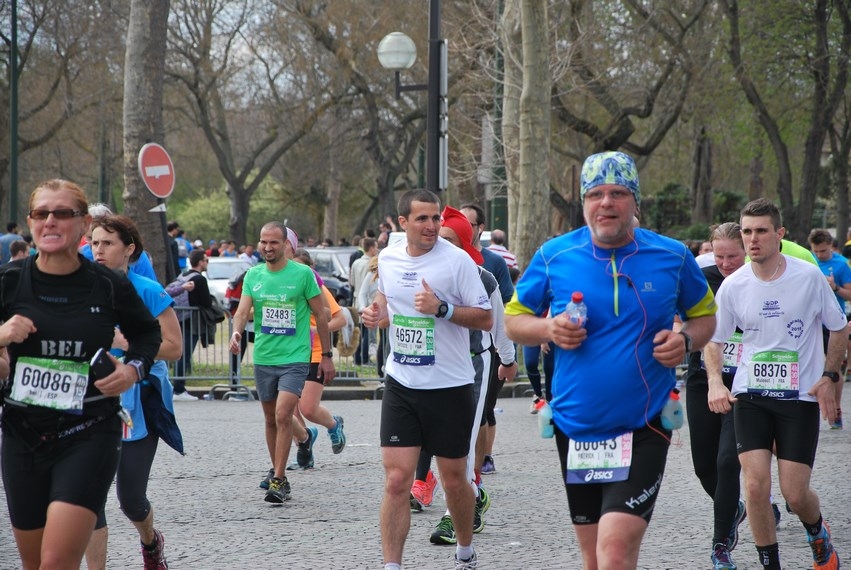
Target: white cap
<point>198,243</point>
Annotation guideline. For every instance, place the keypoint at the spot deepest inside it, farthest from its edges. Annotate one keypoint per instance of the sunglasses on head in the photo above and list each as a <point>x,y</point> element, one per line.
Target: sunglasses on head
<point>60,214</point>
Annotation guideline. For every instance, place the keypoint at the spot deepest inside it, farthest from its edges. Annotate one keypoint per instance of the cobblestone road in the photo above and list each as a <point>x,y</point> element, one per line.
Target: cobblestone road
<point>213,515</point>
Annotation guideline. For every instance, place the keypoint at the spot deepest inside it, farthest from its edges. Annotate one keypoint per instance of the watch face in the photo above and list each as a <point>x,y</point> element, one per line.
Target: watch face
<point>442,310</point>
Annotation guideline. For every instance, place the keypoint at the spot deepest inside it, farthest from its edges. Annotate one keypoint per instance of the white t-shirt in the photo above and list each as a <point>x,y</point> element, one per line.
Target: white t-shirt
<point>781,322</point>
<point>427,353</point>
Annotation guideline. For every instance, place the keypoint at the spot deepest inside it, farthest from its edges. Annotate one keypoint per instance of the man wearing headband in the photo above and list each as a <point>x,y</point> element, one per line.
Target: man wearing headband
<point>614,372</point>
<point>430,293</point>
<point>283,294</point>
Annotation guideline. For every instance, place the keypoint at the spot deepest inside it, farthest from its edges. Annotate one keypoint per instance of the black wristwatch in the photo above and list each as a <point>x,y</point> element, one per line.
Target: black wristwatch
<point>688,341</point>
<point>442,310</point>
<point>329,354</point>
<point>834,376</point>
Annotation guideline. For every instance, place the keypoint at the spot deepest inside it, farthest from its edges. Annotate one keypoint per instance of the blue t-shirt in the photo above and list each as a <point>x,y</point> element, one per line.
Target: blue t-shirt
<point>157,301</point>
<point>612,384</point>
<point>838,267</point>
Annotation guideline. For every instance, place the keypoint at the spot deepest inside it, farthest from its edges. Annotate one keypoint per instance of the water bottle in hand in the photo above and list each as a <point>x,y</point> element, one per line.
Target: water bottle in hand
<point>576,311</point>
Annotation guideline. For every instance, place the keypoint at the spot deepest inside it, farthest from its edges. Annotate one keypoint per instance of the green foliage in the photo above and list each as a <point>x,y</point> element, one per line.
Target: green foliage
<point>669,211</point>
<point>726,205</point>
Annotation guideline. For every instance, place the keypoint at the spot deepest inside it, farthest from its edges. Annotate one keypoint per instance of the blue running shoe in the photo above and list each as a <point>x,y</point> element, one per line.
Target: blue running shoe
<point>721,558</point>
<point>264,484</point>
<point>338,438</point>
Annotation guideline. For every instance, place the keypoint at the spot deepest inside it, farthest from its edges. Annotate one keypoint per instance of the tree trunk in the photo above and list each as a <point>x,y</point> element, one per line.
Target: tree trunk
<point>534,186</point>
<point>702,179</point>
<point>144,68</point>
<point>511,39</point>
<point>756,184</point>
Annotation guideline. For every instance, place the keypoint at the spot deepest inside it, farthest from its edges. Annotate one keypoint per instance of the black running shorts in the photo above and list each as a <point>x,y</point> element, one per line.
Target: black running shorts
<point>635,496</point>
<point>440,421</point>
<point>78,470</point>
<point>792,424</point>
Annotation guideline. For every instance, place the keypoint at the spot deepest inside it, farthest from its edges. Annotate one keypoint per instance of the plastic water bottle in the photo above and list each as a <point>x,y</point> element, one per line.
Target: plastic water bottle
<point>545,420</point>
<point>576,311</point>
<point>672,413</point>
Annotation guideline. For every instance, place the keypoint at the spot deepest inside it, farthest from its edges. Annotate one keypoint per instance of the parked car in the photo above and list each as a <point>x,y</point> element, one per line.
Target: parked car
<point>332,264</point>
<point>219,271</point>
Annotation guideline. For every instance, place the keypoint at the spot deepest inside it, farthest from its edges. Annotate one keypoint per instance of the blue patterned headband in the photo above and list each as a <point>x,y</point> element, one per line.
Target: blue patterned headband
<point>609,168</point>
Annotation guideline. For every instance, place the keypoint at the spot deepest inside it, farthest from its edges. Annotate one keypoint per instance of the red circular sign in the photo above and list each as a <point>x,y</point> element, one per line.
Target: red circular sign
<point>157,170</point>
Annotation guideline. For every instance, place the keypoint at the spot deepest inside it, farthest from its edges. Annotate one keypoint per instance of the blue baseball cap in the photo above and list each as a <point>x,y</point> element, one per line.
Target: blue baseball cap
<point>610,167</point>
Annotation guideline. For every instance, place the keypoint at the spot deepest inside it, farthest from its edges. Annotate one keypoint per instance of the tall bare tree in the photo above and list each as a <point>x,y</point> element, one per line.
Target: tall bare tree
<point>533,179</point>
<point>811,54</point>
<point>244,76</point>
<point>144,67</point>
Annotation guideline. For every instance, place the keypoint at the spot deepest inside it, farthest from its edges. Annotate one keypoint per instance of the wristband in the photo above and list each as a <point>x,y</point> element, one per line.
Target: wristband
<point>449,311</point>
<point>328,354</point>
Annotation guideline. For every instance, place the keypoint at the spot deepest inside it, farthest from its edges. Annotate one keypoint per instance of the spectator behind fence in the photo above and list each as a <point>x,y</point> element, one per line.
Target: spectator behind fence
<point>199,297</point>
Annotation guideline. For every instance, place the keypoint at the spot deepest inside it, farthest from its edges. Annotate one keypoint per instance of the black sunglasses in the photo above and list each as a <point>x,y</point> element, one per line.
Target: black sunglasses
<point>60,214</point>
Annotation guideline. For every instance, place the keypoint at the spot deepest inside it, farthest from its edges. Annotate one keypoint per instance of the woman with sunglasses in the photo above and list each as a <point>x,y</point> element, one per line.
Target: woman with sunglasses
<point>116,244</point>
<point>61,424</point>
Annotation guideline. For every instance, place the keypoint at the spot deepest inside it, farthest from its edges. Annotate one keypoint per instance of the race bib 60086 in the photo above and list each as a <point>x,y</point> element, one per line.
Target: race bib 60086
<point>50,383</point>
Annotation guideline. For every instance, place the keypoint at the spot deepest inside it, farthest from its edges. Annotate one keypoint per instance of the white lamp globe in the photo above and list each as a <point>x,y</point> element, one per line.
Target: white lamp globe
<point>397,51</point>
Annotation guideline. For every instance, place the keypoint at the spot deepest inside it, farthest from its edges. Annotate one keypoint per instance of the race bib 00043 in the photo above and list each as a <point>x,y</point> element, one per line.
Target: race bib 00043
<point>604,461</point>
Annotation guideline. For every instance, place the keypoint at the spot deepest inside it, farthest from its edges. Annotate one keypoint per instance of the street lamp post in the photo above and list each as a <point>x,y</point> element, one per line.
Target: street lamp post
<point>397,51</point>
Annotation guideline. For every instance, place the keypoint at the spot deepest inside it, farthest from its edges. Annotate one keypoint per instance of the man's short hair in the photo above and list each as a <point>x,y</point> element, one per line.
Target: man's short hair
<point>416,195</point>
<point>820,236</point>
<point>368,243</point>
<point>196,256</point>
<point>171,226</point>
<point>11,227</point>
<point>763,207</point>
<point>480,214</point>
<point>18,246</point>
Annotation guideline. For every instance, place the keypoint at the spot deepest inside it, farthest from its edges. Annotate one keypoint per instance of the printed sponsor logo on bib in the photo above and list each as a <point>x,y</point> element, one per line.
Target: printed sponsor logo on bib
<point>604,461</point>
<point>50,383</point>
<point>413,340</point>
<point>774,374</point>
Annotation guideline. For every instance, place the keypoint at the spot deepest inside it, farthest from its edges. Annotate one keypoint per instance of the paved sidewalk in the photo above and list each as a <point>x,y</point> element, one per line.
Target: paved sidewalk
<point>213,516</point>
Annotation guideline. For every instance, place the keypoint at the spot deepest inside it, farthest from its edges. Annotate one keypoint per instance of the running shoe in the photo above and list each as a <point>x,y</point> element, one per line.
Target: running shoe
<point>483,501</point>
<point>721,558</point>
<point>776,509</point>
<point>478,520</point>
<point>416,506</point>
<point>838,423</point>
<point>279,491</point>
<point>154,558</point>
<point>533,408</point>
<point>444,532</point>
<point>487,465</point>
<point>824,556</point>
<point>294,466</point>
<point>264,484</point>
<point>733,537</point>
<point>423,491</point>
<point>338,438</point>
<point>469,564</point>
<point>304,455</point>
